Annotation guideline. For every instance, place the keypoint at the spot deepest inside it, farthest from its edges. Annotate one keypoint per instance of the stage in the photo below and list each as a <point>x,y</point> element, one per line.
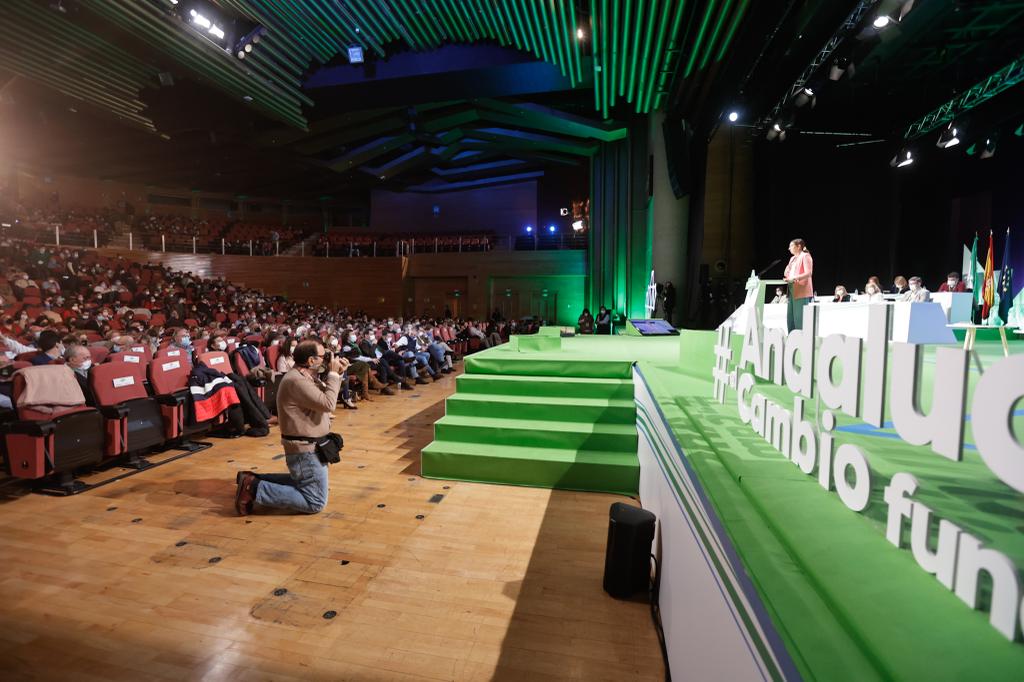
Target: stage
<point>766,574</point>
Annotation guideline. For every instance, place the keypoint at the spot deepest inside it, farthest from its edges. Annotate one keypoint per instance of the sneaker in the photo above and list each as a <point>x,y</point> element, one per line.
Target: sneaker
<point>349,405</point>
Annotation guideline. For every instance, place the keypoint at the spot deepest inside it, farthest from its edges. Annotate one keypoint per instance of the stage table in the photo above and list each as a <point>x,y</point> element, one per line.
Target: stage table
<point>909,322</point>
<point>957,305</point>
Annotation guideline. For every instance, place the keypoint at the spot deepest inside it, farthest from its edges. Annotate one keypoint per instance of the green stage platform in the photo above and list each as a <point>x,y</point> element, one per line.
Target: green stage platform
<point>846,604</point>
<point>546,411</point>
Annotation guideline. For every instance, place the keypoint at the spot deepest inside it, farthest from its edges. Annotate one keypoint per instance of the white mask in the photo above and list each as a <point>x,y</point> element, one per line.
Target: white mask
<point>85,365</point>
<point>220,345</point>
<point>951,283</point>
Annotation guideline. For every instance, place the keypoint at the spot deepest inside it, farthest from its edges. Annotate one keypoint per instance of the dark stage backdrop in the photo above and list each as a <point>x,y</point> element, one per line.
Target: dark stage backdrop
<point>860,217</point>
<point>505,209</point>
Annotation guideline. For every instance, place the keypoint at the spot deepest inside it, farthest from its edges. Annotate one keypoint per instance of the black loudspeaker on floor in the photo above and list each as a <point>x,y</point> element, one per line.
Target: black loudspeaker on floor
<point>627,559</point>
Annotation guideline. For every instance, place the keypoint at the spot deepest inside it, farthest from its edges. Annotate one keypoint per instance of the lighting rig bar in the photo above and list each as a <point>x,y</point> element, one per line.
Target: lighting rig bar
<point>850,23</point>
<point>1005,78</point>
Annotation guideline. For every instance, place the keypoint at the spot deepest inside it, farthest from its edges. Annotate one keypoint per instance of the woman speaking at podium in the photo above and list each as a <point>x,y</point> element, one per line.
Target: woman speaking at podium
<point>801,289</point>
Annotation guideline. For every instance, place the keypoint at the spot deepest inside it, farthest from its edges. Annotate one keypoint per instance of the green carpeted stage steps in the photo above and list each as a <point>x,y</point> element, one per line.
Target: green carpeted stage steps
<point>526,419</point>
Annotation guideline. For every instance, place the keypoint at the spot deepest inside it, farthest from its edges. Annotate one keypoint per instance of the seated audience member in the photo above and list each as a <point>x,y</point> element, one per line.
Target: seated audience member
<point>916,293</point>
<point>13,347</point>
<point>494,334</point>
<point>182,340</point>
<point>50,348</point>
<point>604,321</point>
<point>285,360</point>
<point>899,285</point>
<point>79,360</point>
<point>842,296</point>
<point>780,295</point>
<point>872,293</point>
<point>953,283</point>
<point>472,330</point>
<point>586,322</point>
<point>377,375</point>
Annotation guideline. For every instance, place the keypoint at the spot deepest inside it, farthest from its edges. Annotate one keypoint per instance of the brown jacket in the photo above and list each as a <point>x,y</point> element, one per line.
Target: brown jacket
<point>305,406</point>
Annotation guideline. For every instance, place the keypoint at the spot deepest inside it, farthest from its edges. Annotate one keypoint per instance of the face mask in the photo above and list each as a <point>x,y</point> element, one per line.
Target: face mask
<point>186,341</point>
<point>951,283</point>
<point>220,345</point>
<point>116,348</point>
<point>913,287</point>
<point>85,366</point>
<point>352,338</point>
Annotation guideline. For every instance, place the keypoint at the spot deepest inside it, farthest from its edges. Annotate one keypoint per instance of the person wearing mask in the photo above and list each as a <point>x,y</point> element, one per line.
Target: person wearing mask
<point>953,283</point>
<point>899,285</point>
<point>182,340</point>
<point>79,359</point>
<point>285,360</point>
<point>304,407</point>
<point>801,287</point>
<point>841,295</point>
<point>604,321</point>
<point>780,295</point>
<point>916,293</point>
<point>872,293</point>
<point>50,348</point>
<point>218,342</point>
<point>586,322</point>
<point>386,373</point>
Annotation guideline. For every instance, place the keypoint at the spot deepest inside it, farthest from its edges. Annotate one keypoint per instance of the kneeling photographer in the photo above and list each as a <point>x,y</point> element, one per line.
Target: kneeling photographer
<point>304,408</point>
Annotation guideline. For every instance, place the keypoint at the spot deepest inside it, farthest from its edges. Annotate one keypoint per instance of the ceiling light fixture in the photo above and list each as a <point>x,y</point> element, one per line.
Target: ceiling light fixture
<point>881,21</point>
<point>949,137</point>
<point>903,158</point>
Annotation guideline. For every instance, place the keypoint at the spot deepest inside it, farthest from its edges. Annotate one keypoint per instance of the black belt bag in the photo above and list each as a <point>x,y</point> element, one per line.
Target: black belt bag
<point>328,448</point>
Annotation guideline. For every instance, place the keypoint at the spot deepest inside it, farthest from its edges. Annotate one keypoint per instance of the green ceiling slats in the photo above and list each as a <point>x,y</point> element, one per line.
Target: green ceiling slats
<point>549,37</point>
<point>645,66</point>
<point>568,40</point>
<point>362,34</point>
<point>368,25</point>
<point>613,51</point>
<point>523,35</point>
<point>369,13</point>
<point>595,36</point>
<point>623,62</point>
<point>577,48</point>
<point>605,80</point>
<point>733,25</point>
<point>200,55</point>
<point>655,75</point>
<point>715,33</point>
<point>633,61</point>
<point>672,48</point>
<point>444,18</point>
<point>695,48</point>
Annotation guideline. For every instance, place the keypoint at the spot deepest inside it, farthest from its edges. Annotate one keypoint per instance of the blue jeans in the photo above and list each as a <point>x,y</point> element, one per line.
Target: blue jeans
<point>302,489</point>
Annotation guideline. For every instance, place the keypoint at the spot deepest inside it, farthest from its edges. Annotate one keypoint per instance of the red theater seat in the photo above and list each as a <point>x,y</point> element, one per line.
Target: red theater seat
<point>51,439</point>
<point>130,358</point>
<point>98,353</point>
<point>132,418</point>
<point>168,377</point>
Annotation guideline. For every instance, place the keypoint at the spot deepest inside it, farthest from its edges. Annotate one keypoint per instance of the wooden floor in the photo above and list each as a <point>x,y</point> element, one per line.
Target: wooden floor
<point>155,577</point>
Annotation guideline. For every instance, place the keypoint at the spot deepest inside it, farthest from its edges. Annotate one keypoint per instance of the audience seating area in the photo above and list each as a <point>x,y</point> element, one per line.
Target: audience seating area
<point>96,355</point>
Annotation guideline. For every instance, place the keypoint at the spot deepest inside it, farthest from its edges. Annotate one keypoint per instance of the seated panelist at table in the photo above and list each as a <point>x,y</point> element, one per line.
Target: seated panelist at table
<point>899,285</point>
<point>842,296</point>
<point>953,283</point>
<point>917,293</point>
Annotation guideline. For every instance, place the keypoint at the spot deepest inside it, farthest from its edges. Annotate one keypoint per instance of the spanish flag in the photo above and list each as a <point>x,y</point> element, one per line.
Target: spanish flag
<point>988,290</point>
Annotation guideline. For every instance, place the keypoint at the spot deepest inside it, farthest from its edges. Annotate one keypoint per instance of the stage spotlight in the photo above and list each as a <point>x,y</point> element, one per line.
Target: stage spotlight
<point>839,67</point>
<point>552,229</point>
<point>580,35</point>
<point>734,116</point>
<point>904,157</point>
<point>881,21</point>
<point>805,95</point>
<point>355,54</point>
<point>776,132</point>
<point>240,54</point>
<point>216,30</point>
<point>949,137</point>
<point>529,229</point>
<point>199,20</point>
<point>579,225</point>
<point>248,48</point>
<point>990,149</point>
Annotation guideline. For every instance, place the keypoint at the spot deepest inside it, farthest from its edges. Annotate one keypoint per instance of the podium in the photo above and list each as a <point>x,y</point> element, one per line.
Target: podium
<point>753,307</point>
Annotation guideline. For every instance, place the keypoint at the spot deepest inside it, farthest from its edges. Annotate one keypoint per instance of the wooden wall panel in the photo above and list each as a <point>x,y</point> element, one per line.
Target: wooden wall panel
<point>402,286</point>
<point>370,284</point>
